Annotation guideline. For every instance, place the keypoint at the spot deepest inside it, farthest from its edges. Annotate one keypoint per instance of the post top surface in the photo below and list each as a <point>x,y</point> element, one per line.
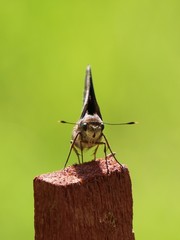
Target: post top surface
<point>81,173</point>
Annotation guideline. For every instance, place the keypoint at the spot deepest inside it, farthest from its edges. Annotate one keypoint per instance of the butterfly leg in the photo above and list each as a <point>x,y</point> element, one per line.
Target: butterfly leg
<point>77,154</point>
<point>95,151</point>
<point>82,157</point>
<point>111,150</point>
<point>105,153</point>
<point>72,147</point>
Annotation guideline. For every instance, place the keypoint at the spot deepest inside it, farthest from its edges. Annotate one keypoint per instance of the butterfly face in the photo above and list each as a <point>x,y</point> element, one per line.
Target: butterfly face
<point>90,131</point>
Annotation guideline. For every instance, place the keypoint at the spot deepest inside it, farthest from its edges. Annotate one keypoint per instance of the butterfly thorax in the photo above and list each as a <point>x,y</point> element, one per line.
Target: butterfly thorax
<point>90,131</point>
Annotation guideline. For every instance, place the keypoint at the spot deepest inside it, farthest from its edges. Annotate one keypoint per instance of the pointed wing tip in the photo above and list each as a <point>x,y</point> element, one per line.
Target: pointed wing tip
<point>88,69</point>
<point>88,72</point>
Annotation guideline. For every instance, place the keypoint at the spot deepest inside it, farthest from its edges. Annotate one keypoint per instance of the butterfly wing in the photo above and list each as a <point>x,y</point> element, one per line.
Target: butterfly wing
<point>90,105</point>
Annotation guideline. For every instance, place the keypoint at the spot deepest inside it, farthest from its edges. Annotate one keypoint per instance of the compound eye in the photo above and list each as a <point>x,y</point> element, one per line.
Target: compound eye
<point>84,126</point>
<point>102,126</point>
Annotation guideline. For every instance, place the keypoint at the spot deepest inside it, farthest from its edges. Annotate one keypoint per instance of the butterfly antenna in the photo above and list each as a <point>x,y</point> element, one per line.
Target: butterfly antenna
<point>62,121</point>
<point>127,123</point>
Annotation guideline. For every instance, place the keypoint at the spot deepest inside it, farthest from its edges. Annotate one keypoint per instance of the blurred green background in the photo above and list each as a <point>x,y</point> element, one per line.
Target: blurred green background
<point>134,50</point>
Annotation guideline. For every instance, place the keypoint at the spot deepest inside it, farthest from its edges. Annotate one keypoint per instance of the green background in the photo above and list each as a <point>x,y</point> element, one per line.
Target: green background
<point>134,50</point>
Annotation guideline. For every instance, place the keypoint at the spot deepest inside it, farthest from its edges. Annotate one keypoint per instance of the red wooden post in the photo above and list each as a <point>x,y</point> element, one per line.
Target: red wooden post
<point>82,202</point>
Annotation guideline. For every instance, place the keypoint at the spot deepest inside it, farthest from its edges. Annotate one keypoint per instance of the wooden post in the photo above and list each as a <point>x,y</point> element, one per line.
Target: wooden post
<point>82,202</point>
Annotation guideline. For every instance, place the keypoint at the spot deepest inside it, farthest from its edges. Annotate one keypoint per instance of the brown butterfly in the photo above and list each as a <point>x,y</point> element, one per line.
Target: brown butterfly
<point>88,131</point>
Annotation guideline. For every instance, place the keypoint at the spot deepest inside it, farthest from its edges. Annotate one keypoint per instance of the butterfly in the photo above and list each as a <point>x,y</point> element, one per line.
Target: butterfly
<point>88,131</point>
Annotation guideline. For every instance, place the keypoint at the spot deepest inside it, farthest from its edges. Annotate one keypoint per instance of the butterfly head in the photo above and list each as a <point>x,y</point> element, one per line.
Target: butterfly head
<point>91,127</point>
